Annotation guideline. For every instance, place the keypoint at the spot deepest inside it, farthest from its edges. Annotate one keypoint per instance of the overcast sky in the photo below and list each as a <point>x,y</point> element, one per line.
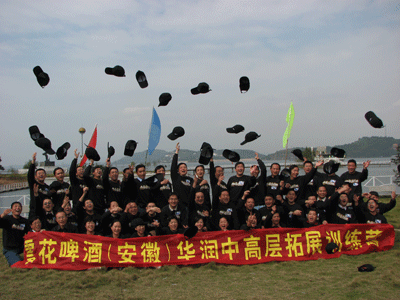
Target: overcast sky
<point>335,60</point>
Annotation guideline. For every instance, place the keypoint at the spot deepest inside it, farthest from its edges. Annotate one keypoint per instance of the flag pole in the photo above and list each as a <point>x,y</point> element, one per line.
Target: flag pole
<point>287,141</point>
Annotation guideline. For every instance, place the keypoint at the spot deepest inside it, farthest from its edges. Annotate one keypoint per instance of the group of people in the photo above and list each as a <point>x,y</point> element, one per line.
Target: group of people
<point>97,202</point>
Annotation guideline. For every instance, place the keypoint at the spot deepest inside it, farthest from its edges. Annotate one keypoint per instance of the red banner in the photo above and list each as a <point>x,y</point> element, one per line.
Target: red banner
<point>64,251</point>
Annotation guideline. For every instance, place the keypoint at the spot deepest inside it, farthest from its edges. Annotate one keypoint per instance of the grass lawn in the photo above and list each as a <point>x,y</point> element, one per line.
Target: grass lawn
<point>331,278</point>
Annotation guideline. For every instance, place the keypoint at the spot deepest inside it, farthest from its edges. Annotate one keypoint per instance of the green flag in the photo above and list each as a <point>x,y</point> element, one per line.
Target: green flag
<point>289,120</point>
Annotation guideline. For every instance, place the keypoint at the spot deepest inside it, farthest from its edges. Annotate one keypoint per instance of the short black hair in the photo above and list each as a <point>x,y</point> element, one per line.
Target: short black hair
<point>56,169</point>
<point>113,168</point>
<point>159,167</point>
<point>140,166</point>
<point>275,163</point>
<point>16,202</point>
<point>352,161</point>
<point>182,163</point>
<point>239,163</point>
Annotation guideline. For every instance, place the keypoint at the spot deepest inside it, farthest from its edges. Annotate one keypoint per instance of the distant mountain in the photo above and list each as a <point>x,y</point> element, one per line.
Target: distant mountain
<point>374,146</point>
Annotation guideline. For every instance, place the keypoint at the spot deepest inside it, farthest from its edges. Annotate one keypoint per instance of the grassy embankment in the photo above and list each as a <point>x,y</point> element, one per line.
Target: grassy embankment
<point>332,278</point>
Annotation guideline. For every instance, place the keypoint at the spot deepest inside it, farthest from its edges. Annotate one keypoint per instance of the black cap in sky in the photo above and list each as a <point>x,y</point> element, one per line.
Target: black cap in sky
<point>231,155</point>
<point>206,153</point>
<point>141,79</point>
<point>235,129</point>
<point>202,88</point>
<point>177,132</point>
<point>130,148</point>
<point>244,84</point>
<point>61,152</point>
<point>45,144</point>
<point>91,153</point>
<point>250,136</point>
<point>337,152</point>
<point>116,71</point>
<point>373,120</point>
<point>164,99</point>
<point>42,78</point>
<point>110,150</point>
<point>35,133</point>
<point>298,154</point>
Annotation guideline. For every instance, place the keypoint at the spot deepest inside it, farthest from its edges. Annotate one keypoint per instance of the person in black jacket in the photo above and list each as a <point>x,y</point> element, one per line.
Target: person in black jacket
<point>63,225</point>
<point>201,185</point>
<point>273,182</point>
<point>96,188</point>
<point>180,181</point>
<point>382,207</point>
<point>76,179</point>
<point>340,212</point>
<point>257,192</point>
<point>222,207</point>
<point>14,228</point>
<point>238,183</point>
<point>371,214</point>
<point>215,173</point>
<point>299,183</point>
<point>174,208</point>
<point>355,178</point>
<point>162,188</point>
<point>58,188</point>
<point>37,177</point>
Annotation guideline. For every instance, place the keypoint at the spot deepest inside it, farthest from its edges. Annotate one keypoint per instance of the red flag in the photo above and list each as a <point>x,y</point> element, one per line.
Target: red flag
<point>92,143</point>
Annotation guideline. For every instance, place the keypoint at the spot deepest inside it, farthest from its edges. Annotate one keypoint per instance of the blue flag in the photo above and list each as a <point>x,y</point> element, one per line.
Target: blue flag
<point>155,132</point>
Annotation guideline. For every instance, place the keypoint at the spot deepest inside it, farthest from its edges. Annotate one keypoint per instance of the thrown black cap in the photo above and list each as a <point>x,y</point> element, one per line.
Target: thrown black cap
<point>141,79</point>
<point>231,155</point>
<point>244,84</point>
<point>35,133</point>
<point>130,148</point>
<point>331,248</point>
<point>45,144</point>
<point>298,154</point>
<point>206,153</point>
<point>116,71</point>
<point>91,153</point>
<point>164,99</point>
<point>235,129</point>
<point>110,150</point>
<point>202,88</point>
<point>177,132</point>
<point>366,268</point>
<point>250,136</point>
<point>190,232</point>
<point>285,173</point>
<point>42,78</point>
<point>338,152</point>
<point>61,152</point>
<point>373,120</point>
<point>331,167</point>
